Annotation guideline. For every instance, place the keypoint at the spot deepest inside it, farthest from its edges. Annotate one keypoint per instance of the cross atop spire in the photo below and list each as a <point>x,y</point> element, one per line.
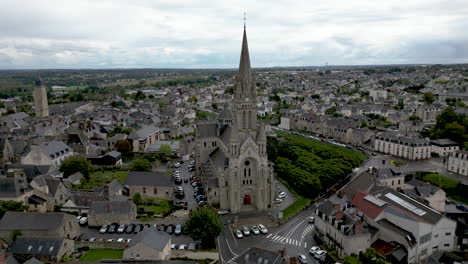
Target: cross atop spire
<point>245,19</point>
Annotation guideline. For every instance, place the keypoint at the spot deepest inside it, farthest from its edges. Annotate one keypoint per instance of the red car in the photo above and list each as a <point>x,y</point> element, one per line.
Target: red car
<point>101,239</point>
<point>193,181</point>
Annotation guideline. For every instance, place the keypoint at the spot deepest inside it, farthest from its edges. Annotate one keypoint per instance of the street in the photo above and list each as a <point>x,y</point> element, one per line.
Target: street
<point>295,236</point>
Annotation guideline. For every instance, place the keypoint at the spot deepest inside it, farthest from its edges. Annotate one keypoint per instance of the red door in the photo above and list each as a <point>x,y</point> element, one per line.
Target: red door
<point>247,199</point>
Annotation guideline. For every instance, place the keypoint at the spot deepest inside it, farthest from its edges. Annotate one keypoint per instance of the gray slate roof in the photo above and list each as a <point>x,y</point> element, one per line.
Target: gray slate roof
<point>144,178</point>
<point>255,255</point>
<point>151,238</point>
<point>33,260</point>
<point>46,246</point>
<point>9,188</point>
<point>54,148</point>
<point>31,221</point>
<point>207,130</point>
<point>110,207</point>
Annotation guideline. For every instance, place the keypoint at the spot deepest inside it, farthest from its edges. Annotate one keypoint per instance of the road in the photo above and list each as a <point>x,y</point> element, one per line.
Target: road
<point>295,236</point>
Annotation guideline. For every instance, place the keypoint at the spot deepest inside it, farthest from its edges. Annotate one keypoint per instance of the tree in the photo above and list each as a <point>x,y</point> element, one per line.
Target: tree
<point>204,224</point>
<point>141,165</point>
<point>123,146</point>
<point>11,206</point>
<point>192,99</point>
<point>414,118</point>
<point>331,110</point>
<point>76,164</point>
<point>428,98</point>
<point>165,149</point>
<point>137,200</point>
<point>364,124</point>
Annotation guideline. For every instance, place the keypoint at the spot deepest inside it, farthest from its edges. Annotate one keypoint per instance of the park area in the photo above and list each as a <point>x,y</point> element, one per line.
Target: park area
<point>308,167</point>
<point>453,189</point>
<point>102,177</point>
<point>98,254</point>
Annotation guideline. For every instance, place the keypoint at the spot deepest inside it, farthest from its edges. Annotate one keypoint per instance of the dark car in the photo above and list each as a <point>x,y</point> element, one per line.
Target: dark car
<point>138,228</point>
<point>180,195</point>
<point>162,227</point>
<point>185,180</point>
<point>178,181</point>
<point>183,203</point>
<point>112,229</point>
<point>170,229</point>
<point>130,229</point>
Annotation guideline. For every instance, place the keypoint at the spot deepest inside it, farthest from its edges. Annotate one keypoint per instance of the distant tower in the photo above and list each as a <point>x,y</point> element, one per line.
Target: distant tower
<point>40,100</point>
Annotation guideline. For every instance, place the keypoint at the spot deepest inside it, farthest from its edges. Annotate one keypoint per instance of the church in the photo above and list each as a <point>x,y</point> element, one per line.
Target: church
<point>231,157</point>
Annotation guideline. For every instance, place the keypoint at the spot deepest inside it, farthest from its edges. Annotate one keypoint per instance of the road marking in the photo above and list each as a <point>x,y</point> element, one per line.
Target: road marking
<point>305,244</point>
<point>269,235</point>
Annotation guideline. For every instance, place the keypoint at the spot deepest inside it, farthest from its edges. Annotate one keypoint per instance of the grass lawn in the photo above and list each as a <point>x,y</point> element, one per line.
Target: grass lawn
<point>439,180</point>
<point>98,254</point>
<point>295,207</point>
<point>99,178</point>
<point>158,206</point>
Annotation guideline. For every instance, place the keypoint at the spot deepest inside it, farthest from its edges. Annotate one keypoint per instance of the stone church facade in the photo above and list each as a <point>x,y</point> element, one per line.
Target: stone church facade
<point>231,157</point>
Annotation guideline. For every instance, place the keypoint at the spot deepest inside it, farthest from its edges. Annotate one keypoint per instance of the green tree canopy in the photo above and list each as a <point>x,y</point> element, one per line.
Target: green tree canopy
<point>123,146</point>
<point>141,165</point>
<point>452,126</point>
<point>11,206</point>
<point>204,224</point>
<point>165,149</point>
<point>192,99</point>
<point>76,164</point>
<point>137,200</point>
<point>428,98</point>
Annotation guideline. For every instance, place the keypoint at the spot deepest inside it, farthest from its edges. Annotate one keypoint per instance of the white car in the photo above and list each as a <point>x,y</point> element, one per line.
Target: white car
<point>255,230</point>
<point>246,231</point>
<point>183,247</point>
<point>314,249</point>
<point>278,201</point>
<point>83,220</point>
<point>103,229</point>
<point>320,254</point>
<point>262,229</point>
<point>121,240</point>
<point>128,240</point>
<point>281,195</point>
<point>110,240</point>
<point>311,220</point>
<point>302,259</point>
<point>78,218</point>
<point>223,212</point>
<point>92,239</point>
<point>174,246</point>
<point>239,234</point>
<point>121,229</point>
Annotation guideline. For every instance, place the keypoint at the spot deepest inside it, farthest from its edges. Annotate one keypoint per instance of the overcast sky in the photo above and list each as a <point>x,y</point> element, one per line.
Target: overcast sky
<point>207,33</point>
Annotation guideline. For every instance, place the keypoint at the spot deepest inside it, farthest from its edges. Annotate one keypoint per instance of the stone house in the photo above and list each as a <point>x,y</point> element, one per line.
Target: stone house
<point>80,201</point>
<point>39,224</point>
<point>143,137</point>
<point>426,193</point>
<point>107,212</point>
<point>389,177</point>
<point>113,158</point>
<point>149,184</point>
<point>443,147</point>
<point>428,113</point>
<point>50,153</point>
<point>458,162</point>
<point>404,147</point>
<point>47,249</point>
<point>52,187</point>
<point>149,245</point>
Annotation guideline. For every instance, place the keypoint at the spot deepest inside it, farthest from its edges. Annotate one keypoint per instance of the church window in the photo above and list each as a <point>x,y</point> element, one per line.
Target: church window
<point>204,144</point>
<point>249,172</point>
<point>245,172</point>
<point>226,183</point>
<point>247,163</point>
<point>243,120</point>
<point>250,119</point>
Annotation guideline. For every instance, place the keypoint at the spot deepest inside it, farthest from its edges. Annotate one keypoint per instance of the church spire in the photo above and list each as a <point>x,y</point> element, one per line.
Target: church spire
<point>245,86</point>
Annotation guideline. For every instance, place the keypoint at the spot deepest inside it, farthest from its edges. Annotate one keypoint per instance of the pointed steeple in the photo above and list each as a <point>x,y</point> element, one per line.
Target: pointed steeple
<point>245,86</point>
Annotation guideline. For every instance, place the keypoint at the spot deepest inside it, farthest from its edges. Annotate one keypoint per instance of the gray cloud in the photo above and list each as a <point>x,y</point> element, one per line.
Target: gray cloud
<point>183,33</point>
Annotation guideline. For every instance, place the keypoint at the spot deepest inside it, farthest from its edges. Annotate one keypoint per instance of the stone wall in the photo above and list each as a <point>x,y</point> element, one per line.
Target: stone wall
<point>94,244</point>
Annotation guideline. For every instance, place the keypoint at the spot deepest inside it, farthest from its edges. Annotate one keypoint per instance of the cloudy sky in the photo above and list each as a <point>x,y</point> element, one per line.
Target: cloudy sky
<point>207,33</point>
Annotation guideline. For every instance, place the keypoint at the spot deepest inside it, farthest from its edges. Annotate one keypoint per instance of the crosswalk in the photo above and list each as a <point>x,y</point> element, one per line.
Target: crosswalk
<point>287,240</point>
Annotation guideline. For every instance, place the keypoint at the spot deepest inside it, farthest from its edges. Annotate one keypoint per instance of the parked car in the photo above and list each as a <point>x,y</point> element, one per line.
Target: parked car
<point>103,229</point>
<point>281,195</point>
<point>174,246</point>
<point>112,229</point>
<point>278,201</point>
<point>245,231</point>
<point>180,195</point>
<point>239,234</point>
<point>192,246</point>
<point>320,254</point>
<point>200,203</point>
<point>130,229</point>
<point>185,180</point>
<point>92,239</point>
<point>138,228</point>
<point>121,229</point>
<point>458,206</point>
<point>178,230</point>
<point>255,230</point>
<point>83,220</point>
<point>78,218</point>
<point>311,220</point>
<point>262,229</point>
<point>170,229</point>
<point>101,239</point>
<point>302,259</point>
<point>110,240</point>
<point>183,203</point>
<point>128,240</point>
<point>223,212</point>
<point>314,249</point>
<point>183,247</point>
<point>121,240</point>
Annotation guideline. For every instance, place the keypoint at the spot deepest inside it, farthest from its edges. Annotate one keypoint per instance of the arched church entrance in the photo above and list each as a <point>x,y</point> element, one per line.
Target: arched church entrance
<point>247,199</point>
